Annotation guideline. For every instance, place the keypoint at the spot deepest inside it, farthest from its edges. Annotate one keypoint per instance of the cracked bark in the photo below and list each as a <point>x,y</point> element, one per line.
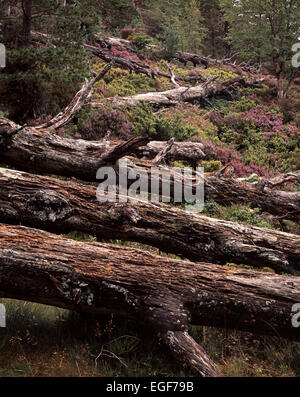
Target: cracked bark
<point>45,152</point>
<point>162,293</point>
<point>64,206</point>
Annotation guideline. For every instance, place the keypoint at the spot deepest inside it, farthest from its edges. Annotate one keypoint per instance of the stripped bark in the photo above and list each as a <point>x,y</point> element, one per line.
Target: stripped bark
<point>161,293</point>
<point>210,88</point>
<point>64,206</point>
<point>81,98</point>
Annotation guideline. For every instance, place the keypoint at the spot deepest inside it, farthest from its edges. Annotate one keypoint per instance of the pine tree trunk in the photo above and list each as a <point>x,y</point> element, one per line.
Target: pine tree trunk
<point>24,38</point>
<point>64,206</point>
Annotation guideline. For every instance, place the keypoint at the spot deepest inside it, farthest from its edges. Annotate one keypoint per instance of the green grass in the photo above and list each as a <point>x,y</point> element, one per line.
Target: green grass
<point>46,341</point>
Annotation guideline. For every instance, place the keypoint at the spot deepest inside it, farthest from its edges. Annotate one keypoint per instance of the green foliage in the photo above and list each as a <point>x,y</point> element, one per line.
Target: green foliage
<point>47,76</point>
<point>211,165</point>
<point>189,24</point>
<point>221,74</point>
<point>159,127</point>
<point>142,40</point>
<point>242,214</point>
<point>264,30</point>
<point>236,213</point>
<point>120,82</point>
<point>171,41</point>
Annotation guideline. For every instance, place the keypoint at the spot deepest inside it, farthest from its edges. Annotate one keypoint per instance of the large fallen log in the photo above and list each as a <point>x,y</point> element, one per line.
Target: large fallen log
<point>210,88</point>
<point>161,293</point>
<point>46,152</point>
<point>64,206</point>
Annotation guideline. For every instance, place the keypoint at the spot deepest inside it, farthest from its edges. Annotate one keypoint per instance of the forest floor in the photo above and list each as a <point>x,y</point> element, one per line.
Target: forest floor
<point>43,341</point>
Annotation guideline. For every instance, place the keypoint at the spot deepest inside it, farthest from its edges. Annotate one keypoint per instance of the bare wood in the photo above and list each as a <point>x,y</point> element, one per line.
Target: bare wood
<point>64,206</point>
<point>185,57</point>
<point>81,98</point>
<point>162,293</point>
<point>172,97</point>
<point>139,67</point>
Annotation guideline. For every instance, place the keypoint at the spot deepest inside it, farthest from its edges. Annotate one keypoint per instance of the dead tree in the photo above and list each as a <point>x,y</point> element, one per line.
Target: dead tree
<point>185,57</point>
<point>46,152</point>
<point>210,88</point>
<point>64,206</point>
<point>163,294</point>
<point>33,149</point>
<point>81,98</point>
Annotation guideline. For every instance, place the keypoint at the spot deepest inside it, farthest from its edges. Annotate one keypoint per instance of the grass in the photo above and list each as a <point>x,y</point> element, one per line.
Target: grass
<point>46,341</point>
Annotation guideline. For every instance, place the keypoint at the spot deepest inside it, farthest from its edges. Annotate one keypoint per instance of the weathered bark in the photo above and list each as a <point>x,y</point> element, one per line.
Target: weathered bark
<point>162,293</point>
<point>195,59</point>
<point>184,57</point>
<point>48,153</point>
<point>210,88</point>
<point>63,206</point>
<point>81,98</point>
<point>139,67</point>
<point>191,152</point>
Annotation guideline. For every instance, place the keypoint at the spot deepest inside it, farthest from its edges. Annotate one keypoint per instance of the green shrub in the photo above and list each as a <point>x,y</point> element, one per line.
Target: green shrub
<point>159,127</point>
<point>211,166</point>
<point>142,40</point>
<point>243,214</point>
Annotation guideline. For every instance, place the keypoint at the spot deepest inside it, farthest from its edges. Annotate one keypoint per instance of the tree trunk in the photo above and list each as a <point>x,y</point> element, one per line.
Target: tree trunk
<point>210,88</point>
<point>161,293</point>
<point>46,152</point>
<point>81,98</point>
<point>24,38</point>
<point>64,206</point>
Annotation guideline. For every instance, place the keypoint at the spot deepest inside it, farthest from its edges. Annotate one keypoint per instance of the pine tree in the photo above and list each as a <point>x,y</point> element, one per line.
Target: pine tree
<point>191,27</point>
<point>265,30</point>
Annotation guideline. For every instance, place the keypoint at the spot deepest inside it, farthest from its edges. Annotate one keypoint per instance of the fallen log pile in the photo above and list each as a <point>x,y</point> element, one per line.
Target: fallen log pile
<point>164,294</point>
<point>64,206</point>
<point>46,152</point>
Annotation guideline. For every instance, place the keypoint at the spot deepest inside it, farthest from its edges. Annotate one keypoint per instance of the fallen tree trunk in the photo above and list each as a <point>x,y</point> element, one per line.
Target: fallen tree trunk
<point>210,88</point>
<point>185,57</point>
<point>64,206</point>
<point>191,152</point>
<point>161,293</point>
<point>198,60</point>
<point>46,152</point>
<point>139,67</point>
